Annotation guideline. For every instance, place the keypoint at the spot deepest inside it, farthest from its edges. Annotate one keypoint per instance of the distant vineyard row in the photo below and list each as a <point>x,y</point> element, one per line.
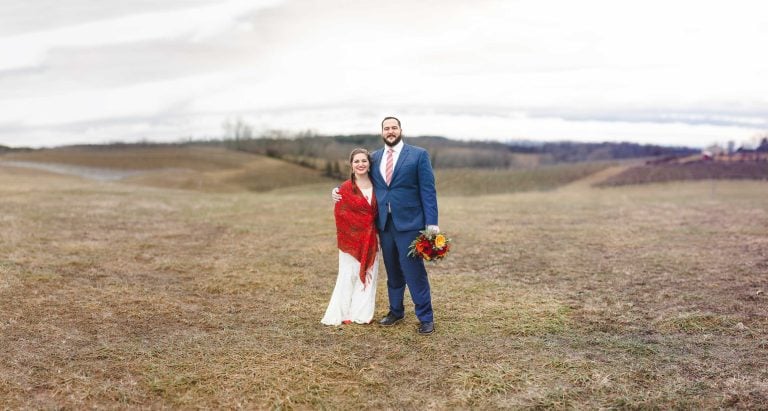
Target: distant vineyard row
<point>697,170</point>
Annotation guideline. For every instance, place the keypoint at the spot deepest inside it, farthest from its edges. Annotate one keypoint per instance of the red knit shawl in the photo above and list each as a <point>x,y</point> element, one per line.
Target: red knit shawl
<point>355,226</point>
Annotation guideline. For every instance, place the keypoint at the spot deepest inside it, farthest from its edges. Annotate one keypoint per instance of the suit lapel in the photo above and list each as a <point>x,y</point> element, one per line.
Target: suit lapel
<point>401,160</point>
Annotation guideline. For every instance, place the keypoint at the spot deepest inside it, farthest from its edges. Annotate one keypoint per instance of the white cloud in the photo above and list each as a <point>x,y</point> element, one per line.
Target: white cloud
<point>29,49</point>
<point>657,71</point>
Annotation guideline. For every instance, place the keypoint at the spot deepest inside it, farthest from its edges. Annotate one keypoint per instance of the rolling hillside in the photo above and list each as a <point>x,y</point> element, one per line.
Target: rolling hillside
<point>217,169</point>
<point>186,167</point>
<point>692,170</point>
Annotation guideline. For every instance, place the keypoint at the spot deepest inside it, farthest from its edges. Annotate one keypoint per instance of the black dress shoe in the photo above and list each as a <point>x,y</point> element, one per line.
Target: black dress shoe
<point>390,319</point>
<point>426,327</point>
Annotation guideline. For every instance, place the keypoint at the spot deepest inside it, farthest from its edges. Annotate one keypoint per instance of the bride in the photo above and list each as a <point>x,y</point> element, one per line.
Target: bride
<point>354,295</point>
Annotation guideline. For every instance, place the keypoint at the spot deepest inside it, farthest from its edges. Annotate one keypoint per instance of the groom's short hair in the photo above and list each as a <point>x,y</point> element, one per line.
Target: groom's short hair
<point>390,118</point>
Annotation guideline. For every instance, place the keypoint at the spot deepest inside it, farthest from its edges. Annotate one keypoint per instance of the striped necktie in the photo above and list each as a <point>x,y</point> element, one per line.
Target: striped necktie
<point>390,165</point>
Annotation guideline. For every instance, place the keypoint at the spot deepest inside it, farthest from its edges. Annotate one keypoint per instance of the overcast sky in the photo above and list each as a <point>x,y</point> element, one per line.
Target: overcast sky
<point>672,72</point>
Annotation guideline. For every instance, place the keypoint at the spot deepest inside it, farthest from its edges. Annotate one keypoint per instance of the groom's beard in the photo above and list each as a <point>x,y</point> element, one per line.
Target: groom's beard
<point>394,143</point>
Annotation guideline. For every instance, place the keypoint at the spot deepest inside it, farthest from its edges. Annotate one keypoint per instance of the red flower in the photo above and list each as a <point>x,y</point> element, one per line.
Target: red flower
<point>424,246</point>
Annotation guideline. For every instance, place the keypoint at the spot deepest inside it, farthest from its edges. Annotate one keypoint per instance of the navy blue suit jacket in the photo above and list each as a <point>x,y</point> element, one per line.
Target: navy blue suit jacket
<point>411,195</point>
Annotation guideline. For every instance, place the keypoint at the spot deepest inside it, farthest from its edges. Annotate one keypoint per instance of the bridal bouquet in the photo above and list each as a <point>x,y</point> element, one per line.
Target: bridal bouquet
<point>430,246</point>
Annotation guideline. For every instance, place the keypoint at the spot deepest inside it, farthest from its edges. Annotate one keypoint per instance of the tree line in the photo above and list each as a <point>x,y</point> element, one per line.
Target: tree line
<point>328,153</point>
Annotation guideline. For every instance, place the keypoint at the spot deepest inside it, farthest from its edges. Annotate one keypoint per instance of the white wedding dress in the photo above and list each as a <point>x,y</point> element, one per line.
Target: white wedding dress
<point>351,301</point>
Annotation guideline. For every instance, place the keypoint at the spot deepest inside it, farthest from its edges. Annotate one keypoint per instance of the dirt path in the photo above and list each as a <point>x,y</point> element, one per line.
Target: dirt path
<point>592,179</point>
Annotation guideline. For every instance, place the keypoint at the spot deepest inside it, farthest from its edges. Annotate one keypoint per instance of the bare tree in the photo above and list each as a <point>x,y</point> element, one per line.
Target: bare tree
<point>237,131</point>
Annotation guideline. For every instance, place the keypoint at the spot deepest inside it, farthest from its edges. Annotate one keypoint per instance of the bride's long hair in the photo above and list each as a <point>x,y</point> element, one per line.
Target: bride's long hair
<point>352,155</point>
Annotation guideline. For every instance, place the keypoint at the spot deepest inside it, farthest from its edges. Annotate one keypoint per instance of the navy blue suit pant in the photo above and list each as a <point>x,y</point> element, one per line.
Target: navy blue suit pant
<point>403,270</point>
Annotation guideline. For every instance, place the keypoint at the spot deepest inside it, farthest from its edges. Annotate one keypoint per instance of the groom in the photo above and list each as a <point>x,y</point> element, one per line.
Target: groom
<point>405,191</point>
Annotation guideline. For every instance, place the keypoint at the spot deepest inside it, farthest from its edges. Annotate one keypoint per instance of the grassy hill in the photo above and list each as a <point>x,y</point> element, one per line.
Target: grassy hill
<point>213,168</point>
<point>692,170</point>
<point>454,181</point>
<point>187,167</point>
<point>218,169</point>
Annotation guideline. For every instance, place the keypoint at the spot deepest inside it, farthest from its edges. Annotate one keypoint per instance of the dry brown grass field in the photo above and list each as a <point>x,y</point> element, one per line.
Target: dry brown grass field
<point>207,169</point>
<point>123,295</point>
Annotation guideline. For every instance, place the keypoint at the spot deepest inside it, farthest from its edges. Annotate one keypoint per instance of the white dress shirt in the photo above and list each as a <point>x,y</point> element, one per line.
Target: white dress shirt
<point>395,155</point>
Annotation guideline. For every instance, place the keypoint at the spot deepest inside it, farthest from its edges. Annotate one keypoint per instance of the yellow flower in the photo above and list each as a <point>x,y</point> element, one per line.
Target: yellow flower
<point>439,241</point>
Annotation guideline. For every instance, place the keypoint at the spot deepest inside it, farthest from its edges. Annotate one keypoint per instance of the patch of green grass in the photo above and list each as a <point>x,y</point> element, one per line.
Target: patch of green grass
<point>696,323</point>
